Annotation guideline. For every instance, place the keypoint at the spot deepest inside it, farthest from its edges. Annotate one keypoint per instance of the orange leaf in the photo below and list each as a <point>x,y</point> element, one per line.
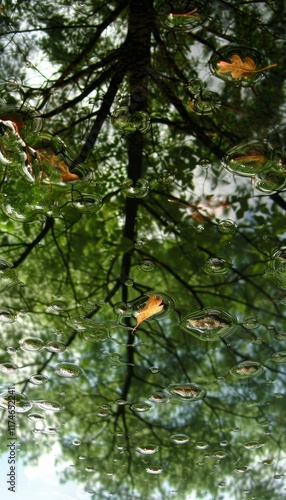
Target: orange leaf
<point>238,67</point>
<point>153,306</point>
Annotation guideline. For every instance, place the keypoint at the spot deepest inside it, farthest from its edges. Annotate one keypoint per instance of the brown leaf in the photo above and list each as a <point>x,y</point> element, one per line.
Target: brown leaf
<point>49,156</point>
<point>153,306</point>
<point>238,68</point>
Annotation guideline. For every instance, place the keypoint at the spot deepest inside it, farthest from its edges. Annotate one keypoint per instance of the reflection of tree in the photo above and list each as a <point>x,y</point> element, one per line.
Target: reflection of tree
<point>123,99</point>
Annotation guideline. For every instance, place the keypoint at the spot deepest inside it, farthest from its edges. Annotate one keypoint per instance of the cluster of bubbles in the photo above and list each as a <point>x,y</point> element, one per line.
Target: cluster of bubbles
<point>23,404</point>
<point>203,102</point>
<point>89,330</point>
<point>42,162</point>
<point>128,123</point>
<point>259,161</point>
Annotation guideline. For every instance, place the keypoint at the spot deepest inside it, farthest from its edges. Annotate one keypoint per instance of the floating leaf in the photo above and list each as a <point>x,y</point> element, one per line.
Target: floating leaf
<point>48,156</point>
<point>153,306</point>
<point>238,68</point>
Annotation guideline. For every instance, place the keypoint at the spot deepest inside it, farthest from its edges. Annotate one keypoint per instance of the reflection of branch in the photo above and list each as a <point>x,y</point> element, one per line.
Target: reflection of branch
<point>103,112</point>
<point>48,225</point>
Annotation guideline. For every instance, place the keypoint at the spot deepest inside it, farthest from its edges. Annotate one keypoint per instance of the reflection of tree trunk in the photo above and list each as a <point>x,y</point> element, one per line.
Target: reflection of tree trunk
<point>138,52</point>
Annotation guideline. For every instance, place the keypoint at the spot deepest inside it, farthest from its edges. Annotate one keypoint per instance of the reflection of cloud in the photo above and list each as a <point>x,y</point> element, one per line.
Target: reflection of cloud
<point>42,480</point>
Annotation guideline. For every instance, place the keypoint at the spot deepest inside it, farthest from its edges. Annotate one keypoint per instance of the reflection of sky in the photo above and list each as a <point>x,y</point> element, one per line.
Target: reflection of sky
<point>41,481</point>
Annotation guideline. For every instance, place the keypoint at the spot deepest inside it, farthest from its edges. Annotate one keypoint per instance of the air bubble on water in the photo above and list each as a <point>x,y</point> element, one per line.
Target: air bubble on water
<point>49,405</point>
<point>278,357</point>
<point>121,402</point>
<point>137,189</point>
<point>49,430</point>
<point>98,332</point>
<point>182,16</point>
<point>248,158</point>
<point>253,445</point>
<point>141,407</point>
<point>221,484</point>
<point>8,368</point>
<point>57,306</point>
<point>68,370</point>
<point>20,401</point>
<point>268,461</point>
<point>147,265</point>
<point>201,445</point>
<point>280,335</point>
<point>5,265</point>
<point>204,163</point>
<point>35,417</point>
<point>154,470</point>
<point>179,438</point>
<point>227,226</point>
<point>270,181</point>
<point>224,443</point>
<point>55,346</point>
<point>154,369</point>
<point>76,442</point>
<point>11,350</point>
<point>158,397</point>
<point>88,305</point>
<point>103,414</point>
<point>38,379</point>
<point>6,315</point>
<point>195,86</point>
<point>141,302</point>
<point>199,228</point>
<point>220,454</point>
<point>186,392</point>
<point>129,282</point>
<point>206,102</point>
<point>209,324</point>
<point>147,449</point>
<point>243,51</point>
<point>257,341</point>
<point>242,469</point>
<point>31,344</point>
<point>251,323</point>
<point>87,203</point>
<point>217,265</point>
<point>129,123</point>
<point>13,84</point>
<point>247,369</point>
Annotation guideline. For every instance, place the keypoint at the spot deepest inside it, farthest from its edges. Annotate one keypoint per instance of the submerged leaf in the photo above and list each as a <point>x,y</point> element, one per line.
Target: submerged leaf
<point>238,68</point>
<point>153,306</point>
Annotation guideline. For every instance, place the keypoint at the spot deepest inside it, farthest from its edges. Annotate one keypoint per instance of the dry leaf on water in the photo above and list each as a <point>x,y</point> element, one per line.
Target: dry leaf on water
<point>153,306</point>
<point>238,67</point>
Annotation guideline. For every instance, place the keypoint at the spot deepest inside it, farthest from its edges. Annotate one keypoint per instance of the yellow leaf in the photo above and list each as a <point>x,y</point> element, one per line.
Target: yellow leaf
<point>238,68</point>
<point>153,306</point>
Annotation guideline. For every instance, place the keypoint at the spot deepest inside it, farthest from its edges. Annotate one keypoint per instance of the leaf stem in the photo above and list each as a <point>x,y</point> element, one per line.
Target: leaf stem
<point>184,15</point>
<point>262,69</point>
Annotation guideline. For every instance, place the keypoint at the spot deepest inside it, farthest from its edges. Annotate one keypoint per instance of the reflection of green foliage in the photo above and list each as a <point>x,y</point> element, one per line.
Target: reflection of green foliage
<point>75,255</point>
